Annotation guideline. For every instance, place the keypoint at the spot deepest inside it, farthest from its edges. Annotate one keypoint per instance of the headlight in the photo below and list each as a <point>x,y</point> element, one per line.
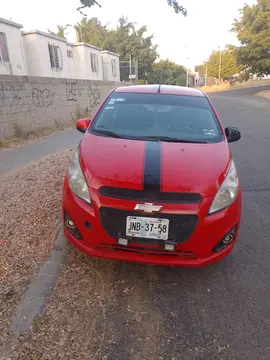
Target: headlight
<point>227,192</point>
<point>76,179</point>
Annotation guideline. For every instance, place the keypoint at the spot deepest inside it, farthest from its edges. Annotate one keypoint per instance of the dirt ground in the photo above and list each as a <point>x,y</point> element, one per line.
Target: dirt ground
<point>92,306</point>
<point>29,213</point>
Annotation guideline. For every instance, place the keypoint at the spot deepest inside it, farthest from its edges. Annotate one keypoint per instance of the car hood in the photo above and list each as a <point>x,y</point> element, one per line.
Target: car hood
<point>151,165</point>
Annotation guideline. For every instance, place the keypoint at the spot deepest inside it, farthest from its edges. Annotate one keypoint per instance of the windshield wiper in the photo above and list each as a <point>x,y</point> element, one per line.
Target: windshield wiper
<point>107,132</point>
<point>176,140</point>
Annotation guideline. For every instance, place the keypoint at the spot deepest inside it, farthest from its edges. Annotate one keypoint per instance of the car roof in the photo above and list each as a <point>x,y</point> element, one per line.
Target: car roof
<point>160,89</point>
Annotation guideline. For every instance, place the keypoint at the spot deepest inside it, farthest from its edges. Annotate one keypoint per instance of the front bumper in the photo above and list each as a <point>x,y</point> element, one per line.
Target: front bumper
<point>196,251</point>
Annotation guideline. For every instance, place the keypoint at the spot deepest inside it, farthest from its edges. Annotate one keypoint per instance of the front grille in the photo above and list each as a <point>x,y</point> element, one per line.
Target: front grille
<point>145,250</point>
<point>147,196</point>
<point>181,226</point>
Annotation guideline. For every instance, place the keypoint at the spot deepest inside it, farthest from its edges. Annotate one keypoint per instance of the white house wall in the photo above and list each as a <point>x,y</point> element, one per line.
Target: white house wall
<point>70,63</point>
<point>17,65</point>
<point>79,62</point>
<point>107,57</point>
<point>88,70</point>
<point>29,55</point>
<point>38,57</point>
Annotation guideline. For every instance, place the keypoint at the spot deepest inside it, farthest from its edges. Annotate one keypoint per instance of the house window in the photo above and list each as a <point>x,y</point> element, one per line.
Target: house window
<point>3,48</point>
<point>114,69</point>
<point>94,62</point>
<point>55,56</point>
<point>69,53</point>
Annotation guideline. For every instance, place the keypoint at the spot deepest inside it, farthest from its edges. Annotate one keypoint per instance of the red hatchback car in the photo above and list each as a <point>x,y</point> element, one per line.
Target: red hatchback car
<point>153,179</point>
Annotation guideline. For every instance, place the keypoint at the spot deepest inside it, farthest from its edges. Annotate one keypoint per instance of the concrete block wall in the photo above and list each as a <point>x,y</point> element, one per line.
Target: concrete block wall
<point>32,103</point>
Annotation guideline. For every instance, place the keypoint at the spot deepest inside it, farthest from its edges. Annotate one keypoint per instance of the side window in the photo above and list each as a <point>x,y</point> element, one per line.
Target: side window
<point>4,56</point>
<point>55,57</point>
<point>94,62</point>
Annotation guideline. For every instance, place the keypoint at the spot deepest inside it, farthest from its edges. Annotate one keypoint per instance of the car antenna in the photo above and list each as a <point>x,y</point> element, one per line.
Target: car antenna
<point>159,89</point>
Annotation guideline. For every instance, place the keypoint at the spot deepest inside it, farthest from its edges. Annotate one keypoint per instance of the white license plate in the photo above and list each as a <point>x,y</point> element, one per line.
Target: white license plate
<point>150,228</point>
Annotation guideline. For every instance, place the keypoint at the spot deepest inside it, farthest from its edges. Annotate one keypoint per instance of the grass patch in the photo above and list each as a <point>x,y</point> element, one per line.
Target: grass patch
<point>215,88</point>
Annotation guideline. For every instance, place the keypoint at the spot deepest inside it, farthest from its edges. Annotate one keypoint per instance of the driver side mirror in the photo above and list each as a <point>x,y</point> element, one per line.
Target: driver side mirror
<point>233,134</point>
<point>82,125</point>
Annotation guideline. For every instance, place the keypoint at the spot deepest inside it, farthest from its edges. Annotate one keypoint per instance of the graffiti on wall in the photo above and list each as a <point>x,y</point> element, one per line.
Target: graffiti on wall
<point>73,91</point>
<point>94,94</point>
<point>42,98</point>
<point>11,94</point>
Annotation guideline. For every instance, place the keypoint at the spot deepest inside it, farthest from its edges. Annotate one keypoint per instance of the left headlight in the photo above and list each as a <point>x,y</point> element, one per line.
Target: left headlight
<point>76,179</point>
<point>227,192</point>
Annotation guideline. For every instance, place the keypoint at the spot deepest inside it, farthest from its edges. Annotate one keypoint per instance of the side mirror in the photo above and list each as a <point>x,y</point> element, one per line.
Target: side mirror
<point>82,125</point>
<point>232,134</point>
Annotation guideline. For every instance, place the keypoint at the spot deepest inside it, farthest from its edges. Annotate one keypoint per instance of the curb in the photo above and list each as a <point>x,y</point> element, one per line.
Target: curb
<point>34,299</point>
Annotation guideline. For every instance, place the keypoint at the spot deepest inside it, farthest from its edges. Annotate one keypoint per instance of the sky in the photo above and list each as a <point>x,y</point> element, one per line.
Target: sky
<point>188,41</point>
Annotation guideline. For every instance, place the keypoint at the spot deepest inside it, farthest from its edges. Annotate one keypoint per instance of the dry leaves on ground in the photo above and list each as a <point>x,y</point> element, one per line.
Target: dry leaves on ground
<point>30,209</point>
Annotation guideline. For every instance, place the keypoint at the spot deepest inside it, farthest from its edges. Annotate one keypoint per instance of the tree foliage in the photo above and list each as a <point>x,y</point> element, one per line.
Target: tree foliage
<point>125,40</point>
<point>228,60</point>
<point>167,72</point>
<point>173,3</point>
<point>253,32</point>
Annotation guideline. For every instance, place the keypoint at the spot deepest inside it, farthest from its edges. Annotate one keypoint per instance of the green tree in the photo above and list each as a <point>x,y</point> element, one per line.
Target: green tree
<point>125,40</point>
<point>167,72</point>
<point>226,60</point>
<point>200,69</point>
<point>253,32</point>
<point>173,3</point>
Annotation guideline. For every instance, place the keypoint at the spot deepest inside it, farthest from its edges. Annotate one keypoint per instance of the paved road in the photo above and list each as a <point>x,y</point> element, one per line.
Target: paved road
<point>219,312</point>
<point>14,158</point>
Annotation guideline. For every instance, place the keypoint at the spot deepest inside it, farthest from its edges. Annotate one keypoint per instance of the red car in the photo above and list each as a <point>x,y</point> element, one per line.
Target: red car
<point>153,179</point>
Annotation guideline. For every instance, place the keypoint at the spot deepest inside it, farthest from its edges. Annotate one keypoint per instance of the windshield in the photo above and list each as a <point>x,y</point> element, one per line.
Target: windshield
<point>157,117</point>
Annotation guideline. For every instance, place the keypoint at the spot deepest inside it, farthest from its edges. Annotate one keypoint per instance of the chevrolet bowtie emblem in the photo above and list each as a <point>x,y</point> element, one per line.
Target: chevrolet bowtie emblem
<point>148,207</point>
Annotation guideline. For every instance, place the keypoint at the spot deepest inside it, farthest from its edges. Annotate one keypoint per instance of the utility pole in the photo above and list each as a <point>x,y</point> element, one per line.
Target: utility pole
<point>136,69</point>
<point>130,69</point>
<point>219,68</point>
<point>205,80</point>
<point>187,58</point>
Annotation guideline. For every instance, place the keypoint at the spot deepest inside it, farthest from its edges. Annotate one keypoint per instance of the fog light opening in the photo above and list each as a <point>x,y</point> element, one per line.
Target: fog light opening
<point>228,239</point>
<point>71,227</point>
<point>70,224</point>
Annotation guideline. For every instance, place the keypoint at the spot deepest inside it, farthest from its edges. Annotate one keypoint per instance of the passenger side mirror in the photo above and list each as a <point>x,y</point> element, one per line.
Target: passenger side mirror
<point>232,134</point>
<point>82,125</point>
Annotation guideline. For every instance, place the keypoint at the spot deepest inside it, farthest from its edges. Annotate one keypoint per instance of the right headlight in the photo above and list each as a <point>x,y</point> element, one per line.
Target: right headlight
<point>76,179</point>
<point>227,192</point>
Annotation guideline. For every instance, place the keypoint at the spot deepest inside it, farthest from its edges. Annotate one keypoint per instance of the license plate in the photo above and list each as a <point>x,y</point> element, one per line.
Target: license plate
<point>150,228</point>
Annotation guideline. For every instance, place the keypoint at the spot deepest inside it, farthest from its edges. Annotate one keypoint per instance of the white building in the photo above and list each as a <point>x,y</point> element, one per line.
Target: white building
<point>12,52</point>
<point>46,55</point>
<point>49,55</point>
<point>40,54</point>
<point>111,66</point>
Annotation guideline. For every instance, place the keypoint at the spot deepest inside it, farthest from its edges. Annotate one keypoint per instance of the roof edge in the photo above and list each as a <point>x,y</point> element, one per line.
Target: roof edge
<point>42,33</point>
<point>10,22</point>
<point>87,45</point>
<point>109,52</point>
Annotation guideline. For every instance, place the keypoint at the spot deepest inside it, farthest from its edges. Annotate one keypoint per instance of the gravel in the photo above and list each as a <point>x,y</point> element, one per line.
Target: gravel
<point>29,213</point>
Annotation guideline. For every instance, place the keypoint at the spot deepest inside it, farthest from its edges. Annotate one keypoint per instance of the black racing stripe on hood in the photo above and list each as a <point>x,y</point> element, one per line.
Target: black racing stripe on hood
<point>152,167</point>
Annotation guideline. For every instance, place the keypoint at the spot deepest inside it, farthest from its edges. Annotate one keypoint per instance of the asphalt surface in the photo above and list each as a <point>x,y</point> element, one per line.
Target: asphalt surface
<point>14,158</point>
<point>218,312</point>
